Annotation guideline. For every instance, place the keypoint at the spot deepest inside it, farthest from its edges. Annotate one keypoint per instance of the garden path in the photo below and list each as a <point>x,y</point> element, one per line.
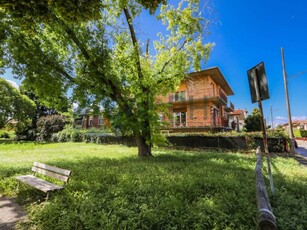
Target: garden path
<point>10,213</point>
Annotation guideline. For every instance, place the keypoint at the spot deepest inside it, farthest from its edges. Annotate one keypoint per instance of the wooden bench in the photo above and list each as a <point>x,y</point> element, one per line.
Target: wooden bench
<point>49,171</point>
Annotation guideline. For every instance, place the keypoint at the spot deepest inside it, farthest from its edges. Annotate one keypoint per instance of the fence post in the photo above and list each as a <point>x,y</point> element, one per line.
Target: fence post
<point>266,218</point>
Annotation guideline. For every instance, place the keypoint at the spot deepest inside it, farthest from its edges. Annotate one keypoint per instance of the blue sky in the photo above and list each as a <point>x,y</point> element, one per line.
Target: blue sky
<point>247,33</point>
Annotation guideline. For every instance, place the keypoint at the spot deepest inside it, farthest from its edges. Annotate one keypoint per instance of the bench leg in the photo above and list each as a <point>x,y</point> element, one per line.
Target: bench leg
<point>47,197</point>
<point>18,185</point>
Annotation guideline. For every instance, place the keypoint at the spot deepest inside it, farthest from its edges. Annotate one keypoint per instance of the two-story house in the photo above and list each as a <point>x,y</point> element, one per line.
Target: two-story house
<point>86,119</point>
<point>200,103</point>
<point>237,119</point>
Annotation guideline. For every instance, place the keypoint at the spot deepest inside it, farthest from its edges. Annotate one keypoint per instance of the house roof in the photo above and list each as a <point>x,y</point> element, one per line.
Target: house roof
<point>238,112</point>
<point>218,77</point>
<point>296,122</point>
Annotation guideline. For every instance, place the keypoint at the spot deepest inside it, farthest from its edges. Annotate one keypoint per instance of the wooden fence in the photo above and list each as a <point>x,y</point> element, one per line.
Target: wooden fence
<point>266,218</point>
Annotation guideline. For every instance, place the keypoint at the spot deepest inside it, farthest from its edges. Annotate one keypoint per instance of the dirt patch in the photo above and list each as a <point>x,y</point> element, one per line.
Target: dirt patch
<point>10,213</point>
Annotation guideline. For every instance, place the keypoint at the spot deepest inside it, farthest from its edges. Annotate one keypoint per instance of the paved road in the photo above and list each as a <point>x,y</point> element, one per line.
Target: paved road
<point>302,148</point>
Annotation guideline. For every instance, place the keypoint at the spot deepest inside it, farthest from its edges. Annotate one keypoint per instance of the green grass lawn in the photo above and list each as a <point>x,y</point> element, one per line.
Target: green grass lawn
<point>111,188</point>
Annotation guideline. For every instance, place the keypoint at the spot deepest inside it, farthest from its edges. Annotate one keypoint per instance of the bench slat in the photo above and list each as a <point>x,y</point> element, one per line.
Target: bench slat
<point>52,168</point>
<point>38,183</point>
<point>50,174</point>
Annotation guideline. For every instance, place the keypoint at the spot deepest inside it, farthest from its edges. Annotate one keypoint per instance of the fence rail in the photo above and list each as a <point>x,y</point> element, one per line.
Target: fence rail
<point>266,218</point>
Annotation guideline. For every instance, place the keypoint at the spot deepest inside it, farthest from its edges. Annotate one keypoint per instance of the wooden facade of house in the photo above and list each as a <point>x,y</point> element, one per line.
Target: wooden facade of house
<point>200,103</point>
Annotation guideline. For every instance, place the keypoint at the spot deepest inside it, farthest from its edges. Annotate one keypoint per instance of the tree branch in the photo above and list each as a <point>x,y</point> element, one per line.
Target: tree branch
<point>147,48</point>
<point>134,42</point>
<point>170,60</point>
<point>115,93</point>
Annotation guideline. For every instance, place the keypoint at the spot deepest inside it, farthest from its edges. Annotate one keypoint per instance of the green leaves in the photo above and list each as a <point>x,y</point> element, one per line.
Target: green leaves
<point>88,48</point>
<point>14,105</point>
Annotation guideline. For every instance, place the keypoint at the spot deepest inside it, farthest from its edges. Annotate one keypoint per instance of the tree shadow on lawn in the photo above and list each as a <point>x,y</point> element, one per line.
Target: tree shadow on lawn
<point>196,187</point>
<point>289,201</point>
<point>89,173</point>
<point>12,142</point>
<point>178,189</point>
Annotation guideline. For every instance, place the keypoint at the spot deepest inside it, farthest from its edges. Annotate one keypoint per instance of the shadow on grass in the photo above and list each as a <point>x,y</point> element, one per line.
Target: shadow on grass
<point>185,190</point>
<point>181,190</point>
<point>11,142</point>
<point>8,141</point>
<point>289,201</point>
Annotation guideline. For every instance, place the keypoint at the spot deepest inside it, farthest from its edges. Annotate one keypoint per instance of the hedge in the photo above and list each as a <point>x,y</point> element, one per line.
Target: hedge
<point>276,144</point>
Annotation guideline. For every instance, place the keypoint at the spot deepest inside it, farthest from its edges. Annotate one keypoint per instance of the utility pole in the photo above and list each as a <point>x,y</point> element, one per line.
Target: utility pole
<point>272,118</point>
<point>292,146</point>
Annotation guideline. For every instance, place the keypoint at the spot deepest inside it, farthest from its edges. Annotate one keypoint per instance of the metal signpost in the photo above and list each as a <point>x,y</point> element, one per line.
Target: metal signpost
<point>259,90</point>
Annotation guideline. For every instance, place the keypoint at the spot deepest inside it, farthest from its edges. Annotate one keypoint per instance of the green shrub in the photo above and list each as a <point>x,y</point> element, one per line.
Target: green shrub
<point>55,137</point>
<point>297,133</point>
<point>303,133</point>
<point>300,133</point>
<point>4,134</point>
<point>48,125</point>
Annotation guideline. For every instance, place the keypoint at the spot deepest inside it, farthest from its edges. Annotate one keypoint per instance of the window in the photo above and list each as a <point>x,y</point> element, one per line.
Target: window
<point>91,123</point>
<point>100,121</point>
<point>180,119</point>
<point>160,117</point>
<point>180,96</point>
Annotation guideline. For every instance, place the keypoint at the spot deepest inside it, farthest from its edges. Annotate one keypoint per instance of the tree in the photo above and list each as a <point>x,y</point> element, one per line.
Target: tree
<point>252,122</point>
<point>47,125</point>
<point>96,53</point>
<point>31,131</point>
<point>14,106</point>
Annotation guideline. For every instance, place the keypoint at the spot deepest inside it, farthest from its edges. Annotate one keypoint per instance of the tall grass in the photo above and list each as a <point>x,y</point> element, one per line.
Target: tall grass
<point>110,188</point>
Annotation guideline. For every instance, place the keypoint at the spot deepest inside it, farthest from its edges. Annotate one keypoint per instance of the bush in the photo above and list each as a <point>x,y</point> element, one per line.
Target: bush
<point>69,133</point>
<point>48,125</point>
<point>4,134</point>
<point>277,140</point>
<point>297,133</point>
<point>303,133</point>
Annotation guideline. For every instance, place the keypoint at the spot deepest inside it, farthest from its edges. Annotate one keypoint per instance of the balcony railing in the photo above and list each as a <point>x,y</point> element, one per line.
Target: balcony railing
<point>219,122</point>
<point>230,107</point>
<point>223,96</point>
<point>204,95</point>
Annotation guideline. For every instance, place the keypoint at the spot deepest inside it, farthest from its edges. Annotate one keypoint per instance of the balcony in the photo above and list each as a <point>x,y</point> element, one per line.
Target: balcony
<point>218,123</point>
<point>207,95</point>
<point>229,108</point>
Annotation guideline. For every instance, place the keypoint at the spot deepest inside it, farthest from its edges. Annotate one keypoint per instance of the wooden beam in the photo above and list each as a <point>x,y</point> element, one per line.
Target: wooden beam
<point>266,218</point>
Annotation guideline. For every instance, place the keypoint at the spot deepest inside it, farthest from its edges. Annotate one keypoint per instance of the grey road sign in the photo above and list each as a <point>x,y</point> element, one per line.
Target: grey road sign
<point>258,83</point>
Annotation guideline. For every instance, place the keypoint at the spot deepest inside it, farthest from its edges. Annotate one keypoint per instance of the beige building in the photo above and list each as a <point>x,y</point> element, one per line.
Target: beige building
<point>237,118</point>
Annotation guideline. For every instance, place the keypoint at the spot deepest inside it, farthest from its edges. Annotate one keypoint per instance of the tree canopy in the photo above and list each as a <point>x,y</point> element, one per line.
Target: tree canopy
<point>252,122</point>
<point>13,105</point>
<point>95,52</point>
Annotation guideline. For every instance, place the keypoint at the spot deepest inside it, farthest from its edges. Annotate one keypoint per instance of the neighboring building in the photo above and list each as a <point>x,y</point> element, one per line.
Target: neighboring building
<point>237,118</point>
<point>200,103</point>
<point>297,124</point>
<point>87,120</point>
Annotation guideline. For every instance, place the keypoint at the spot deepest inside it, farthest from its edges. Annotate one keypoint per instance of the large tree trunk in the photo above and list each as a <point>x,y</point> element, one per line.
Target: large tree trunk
<point>144,149</point>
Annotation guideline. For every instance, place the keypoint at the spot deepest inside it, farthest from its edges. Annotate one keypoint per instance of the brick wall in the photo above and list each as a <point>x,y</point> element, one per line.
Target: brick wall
<point>199,112</point>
